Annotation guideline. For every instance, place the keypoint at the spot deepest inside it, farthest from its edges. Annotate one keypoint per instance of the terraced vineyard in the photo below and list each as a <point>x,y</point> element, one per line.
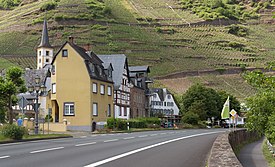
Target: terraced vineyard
<point>158,33</point>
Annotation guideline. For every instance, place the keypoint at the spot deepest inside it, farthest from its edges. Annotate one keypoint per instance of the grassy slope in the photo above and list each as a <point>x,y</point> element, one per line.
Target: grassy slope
<point>188,48</point>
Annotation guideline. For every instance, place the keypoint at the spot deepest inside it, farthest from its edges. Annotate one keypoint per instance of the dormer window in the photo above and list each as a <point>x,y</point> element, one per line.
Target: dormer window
<point>64,53</point>
<point>109,74</point>
<point>100,71</point>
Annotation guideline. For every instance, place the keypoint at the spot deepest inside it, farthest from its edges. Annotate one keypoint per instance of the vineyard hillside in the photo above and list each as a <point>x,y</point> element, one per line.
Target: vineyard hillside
<point>168,35</point>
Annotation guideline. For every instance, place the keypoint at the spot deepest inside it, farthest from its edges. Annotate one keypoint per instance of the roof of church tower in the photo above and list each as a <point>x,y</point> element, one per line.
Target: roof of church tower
<point>45,37</point>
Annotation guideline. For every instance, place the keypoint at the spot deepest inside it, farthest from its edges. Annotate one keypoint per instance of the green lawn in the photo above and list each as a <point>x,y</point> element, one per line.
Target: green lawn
<point>40,136</point>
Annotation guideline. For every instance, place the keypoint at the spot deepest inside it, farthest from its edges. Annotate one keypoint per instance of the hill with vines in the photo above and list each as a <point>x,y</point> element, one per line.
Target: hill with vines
<point>168,35</point>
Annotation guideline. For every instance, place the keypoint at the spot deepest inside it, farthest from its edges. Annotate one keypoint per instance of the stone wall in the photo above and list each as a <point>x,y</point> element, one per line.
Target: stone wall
<point>222,154</point>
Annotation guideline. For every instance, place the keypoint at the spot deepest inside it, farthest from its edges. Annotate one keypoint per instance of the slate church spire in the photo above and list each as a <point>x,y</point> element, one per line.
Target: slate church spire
<point>44,50</point>
<point>45,37</point>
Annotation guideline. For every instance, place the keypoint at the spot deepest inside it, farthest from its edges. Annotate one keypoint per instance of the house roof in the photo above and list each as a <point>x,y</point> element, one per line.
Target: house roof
<point>118,61</point>
<point>139,69</point>
<point>45,37</point>
<point>162,92</point>
<point>90,58</point>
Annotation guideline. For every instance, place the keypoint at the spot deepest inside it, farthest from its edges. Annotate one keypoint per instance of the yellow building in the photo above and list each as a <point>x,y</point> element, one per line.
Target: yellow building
<point>82,90</point>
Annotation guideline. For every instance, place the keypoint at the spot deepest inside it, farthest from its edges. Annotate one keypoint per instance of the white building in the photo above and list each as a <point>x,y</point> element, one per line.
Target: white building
<point>162,103</point>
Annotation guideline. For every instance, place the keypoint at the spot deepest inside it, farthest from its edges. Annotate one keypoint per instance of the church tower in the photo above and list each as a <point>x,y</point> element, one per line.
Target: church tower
<point>44,50</point>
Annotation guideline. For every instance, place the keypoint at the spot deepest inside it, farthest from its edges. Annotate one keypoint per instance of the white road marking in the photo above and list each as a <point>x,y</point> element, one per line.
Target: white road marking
<point>127,138</point>
<point>143,149</point>
<point>163,133</point>
<point>110,140</point>
<point>143,136</point>
<point>103,135</point>
<point>84,144</point>
<point>49,149</point>
<point>82,136</point>
<point>94,135</point>
<point>8,144</point>
<point>3,157</point>
<point>153,134</point>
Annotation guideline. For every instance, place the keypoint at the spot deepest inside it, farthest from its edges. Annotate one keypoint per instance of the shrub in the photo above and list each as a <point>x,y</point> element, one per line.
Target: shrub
<point>14,132</point>
<point>9,4</point>
<point>191,118</point>
<point>238,30</point>
<point>221,70</point>
<point>50,118</point>
<point>48,6</point>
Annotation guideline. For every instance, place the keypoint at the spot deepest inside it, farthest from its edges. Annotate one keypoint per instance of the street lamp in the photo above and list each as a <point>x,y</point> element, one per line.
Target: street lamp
<point>36,89</point>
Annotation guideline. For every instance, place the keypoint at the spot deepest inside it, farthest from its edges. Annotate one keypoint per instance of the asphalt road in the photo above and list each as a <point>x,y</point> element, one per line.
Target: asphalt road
<point>178,148</point>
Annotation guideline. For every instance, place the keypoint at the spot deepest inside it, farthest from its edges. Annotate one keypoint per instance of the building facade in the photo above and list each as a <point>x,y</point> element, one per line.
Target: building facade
<point>121,83</point>
<point>162,103</point>
<point>81,89</point>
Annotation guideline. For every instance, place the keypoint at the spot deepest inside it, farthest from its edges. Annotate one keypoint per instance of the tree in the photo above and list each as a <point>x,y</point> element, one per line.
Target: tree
<point>207,100</point>
<point>10,86</point>
<point>261,106</point>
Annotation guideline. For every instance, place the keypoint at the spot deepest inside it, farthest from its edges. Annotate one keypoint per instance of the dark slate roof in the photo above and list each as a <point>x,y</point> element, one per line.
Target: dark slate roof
<point>90,59</point>
<point>45,37</point>
<point>162,92</point>
<point>118,61</point>
<point>139,69</point>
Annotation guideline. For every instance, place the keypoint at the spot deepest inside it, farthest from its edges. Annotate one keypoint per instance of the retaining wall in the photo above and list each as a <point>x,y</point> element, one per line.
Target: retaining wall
<point>222,152</point>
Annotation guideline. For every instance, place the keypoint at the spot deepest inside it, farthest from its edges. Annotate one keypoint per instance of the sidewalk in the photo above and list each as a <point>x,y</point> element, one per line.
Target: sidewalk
<point>251,155</point>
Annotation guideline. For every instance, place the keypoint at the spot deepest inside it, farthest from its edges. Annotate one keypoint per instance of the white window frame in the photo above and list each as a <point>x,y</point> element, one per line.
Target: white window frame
<point>95,109</point>
<point>94,87</point>
<point>102,89</point>
<point>109,91</point>
<point>54,88</point>
<point>70,111</point>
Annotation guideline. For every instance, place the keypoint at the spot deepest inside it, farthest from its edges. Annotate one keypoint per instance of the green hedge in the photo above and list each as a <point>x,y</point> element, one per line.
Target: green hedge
<point>121,124</point>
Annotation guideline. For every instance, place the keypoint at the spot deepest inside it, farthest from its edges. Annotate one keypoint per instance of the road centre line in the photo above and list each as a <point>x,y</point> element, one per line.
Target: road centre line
<point>3,157</point>
<point>49,149</point>
<point>84,144</point>
<point>145,148</point>
<point>106,141</point>
<point>153,134</point>
<point>82,136</point>
<point>163,133</point>
<point>127,138</point>
<point>143,136</point>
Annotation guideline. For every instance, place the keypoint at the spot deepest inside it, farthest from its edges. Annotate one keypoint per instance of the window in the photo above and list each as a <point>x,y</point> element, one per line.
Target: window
<point>94,87</point>
<point>47,53</point>
<point>40,53</point>
<point>54,88</point>
<point>53,69</point>
<point>47,60</point>
<point>95,109</point>
<point>109,91</point>
<point>68,109</point>
<point>169,96</point>
<point>119,111</point>
<point>64,53</point>
<point>39,60</point>
<point>123,111</point>
<point>109,110</point>
<point>102,89</point>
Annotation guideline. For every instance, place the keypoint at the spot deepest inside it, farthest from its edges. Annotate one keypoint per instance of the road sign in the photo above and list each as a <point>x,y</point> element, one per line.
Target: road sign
<point>233,112</point>
<point>22,102</point>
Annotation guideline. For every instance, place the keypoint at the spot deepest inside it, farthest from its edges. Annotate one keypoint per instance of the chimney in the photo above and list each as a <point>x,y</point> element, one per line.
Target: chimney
<point>71,39</point>
<point>87,47</point>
